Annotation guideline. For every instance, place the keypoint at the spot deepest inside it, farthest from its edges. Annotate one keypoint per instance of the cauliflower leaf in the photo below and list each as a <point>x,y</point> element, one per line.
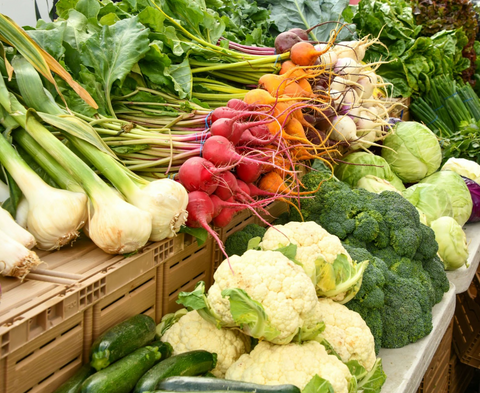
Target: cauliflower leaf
<point>318,385</point>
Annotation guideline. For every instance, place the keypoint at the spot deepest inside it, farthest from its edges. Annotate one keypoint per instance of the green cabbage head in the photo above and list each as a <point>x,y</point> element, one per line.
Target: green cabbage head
<point>412,151</point>
<point>452,184</point>
<point>430,199</point>
<point>360,164</point>
<point>452,242</point>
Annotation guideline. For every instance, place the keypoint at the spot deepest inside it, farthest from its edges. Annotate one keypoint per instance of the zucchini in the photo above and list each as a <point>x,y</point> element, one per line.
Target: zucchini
<point>73,384</point>
<point>164,348</point>
<point>202,384</point>
<point>121,339</point>
<point>121,376</point>
<point>187,363</point>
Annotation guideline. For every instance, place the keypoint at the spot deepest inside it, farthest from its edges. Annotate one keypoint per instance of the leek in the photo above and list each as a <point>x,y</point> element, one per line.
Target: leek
<point>115,226</point>
<point>54,215</point>
<point>15,231</point>
<point>15,259</point>
<point>4,192</point>
<point>165,199</point>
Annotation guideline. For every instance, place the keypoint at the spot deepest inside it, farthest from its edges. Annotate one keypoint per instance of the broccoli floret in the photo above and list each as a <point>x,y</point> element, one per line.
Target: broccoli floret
<point>407,315</point>
<point>366,226</point>
<point>428,246</point>
<point>237,242</point>
<point>436,271</point>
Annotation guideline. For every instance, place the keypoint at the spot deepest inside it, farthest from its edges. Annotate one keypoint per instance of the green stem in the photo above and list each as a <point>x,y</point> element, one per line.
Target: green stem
<point>263,60</point>
<point>45,160</point>
<point>25,177</point>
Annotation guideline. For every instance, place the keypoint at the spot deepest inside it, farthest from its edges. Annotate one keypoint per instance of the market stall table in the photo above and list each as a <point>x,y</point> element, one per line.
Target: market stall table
<point>405,367</point>
<point>462,277</point>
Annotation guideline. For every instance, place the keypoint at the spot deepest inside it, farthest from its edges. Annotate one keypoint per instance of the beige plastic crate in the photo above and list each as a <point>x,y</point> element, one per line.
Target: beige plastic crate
<point>46,362</point>
<point>44,341</point>
<point>32,308</point>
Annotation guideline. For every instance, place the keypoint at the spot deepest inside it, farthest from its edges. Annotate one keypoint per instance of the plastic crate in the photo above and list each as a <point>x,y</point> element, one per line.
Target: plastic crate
<point>240,221</point>
<point>46,362</point>
<point>459,375</point>
<point>38,351</point>
<point>31,308</point>
<point>436,377</point>
<point>466,329</point>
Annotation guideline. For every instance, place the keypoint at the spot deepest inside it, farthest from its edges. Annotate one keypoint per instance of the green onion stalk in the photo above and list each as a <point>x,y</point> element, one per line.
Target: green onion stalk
<point>114,225</point>
<point>54,216</point>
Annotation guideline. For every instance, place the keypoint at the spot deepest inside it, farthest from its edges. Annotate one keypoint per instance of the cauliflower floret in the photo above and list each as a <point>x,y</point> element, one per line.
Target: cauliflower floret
<point>280,286</point>
<point>321,255</point>
<point>192,332</point>
<point>293,363</point>
<point>346,331</point>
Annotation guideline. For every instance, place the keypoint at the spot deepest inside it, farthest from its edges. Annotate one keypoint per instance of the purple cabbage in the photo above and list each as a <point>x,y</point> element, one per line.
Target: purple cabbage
<point>474,189</point>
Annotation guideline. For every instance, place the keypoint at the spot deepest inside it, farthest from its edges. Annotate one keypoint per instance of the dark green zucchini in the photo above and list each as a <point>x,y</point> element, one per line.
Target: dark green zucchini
<point>121,339</point>
<point>187,363</point>
<point>201,384</point>
<point>121,376</point>
<point>73,384</point>
<point>164,348</point>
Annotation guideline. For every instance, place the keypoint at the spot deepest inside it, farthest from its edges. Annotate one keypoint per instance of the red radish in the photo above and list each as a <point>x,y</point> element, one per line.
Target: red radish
<point>247,138</point>
<point>199,174</point>
<point>200,210</point>
<point>225,216</point>
<point>225,112</point>
<point>250,172</point>
<point>238,104</point>
<point>244,187</point>
<point>227,186</point>
<point>220,151</point>
<point>232,129</point>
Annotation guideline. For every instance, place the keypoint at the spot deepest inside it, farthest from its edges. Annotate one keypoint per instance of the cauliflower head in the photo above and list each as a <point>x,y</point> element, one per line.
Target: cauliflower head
<point>264,293</point>
<point>192,332</point>
<point>322,256</point>
<point>346,332</point>
<point>293,363</point>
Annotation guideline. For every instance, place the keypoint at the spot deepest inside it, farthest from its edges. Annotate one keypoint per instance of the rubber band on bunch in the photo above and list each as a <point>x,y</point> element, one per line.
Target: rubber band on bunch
<point>206,120</point>
<point>276,60</point>
<point>453,95</point>
<point>440,107</point>
<point>468,99</point>
<point>172,176</point>
<point>433,121</point>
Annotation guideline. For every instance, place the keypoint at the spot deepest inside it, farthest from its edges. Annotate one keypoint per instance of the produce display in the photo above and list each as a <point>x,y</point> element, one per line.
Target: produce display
<point>129,122</point>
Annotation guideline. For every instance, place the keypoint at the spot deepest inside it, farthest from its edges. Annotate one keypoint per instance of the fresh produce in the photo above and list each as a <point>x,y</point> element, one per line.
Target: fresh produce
<point>289,290</point>
<point>74,383</point>
<point>189,331</point>
<point>322,257</point>
<point>4,192</point>
<point>121,339</point>
<point>360,164</point>
<point>15,259</point>
<point>452,242</point>
<point>463,167</point>
<point>474,189</point>
<point>453,185</point>
<point>54,216</point>
<point>402,45</point>
<point>429,199</point>
<point>121,376</point>
<point>292,363</point>
<point>375,184</point>
<point>237,242</point>
<point>188,363</point>
<point>412,151</point>
<point>406,273</point>
<point>345,332</point>
<point>202,384</point>
<point>15,231</point>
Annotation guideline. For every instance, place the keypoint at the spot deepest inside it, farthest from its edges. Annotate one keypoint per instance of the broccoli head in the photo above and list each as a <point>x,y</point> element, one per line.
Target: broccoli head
<point>373,319</point>
<point>436,271</point>
<point>237,242</point>
<point>407,315</point>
